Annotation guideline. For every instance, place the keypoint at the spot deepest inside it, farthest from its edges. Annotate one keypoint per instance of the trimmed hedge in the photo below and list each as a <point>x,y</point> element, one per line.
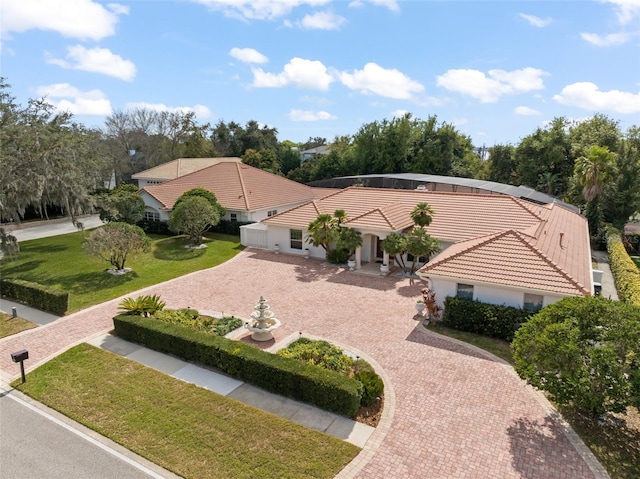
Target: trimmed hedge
<point>161,227</point>
<point>229,227</point>
<point>288,377</point>
<point>625,272</point>
<point>36,295</point>
<point>494,320</point>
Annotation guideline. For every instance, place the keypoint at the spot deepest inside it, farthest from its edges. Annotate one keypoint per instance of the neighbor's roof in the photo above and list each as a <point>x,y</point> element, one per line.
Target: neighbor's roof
<point>237,187</point>
<point>180,167</point>
<point>498,239</point>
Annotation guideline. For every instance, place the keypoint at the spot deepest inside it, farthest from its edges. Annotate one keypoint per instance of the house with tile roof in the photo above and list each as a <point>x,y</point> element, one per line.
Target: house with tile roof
<point>247,193</point>
<point>179,167</point>
<point>495,248</point>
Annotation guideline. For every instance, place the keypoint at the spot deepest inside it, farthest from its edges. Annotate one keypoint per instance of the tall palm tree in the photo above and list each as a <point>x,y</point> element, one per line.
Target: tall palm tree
<point>594,169</point>
<point>422,215</point>
<point>349,239</point>
<point>323,231</point>
<point>420,243</point>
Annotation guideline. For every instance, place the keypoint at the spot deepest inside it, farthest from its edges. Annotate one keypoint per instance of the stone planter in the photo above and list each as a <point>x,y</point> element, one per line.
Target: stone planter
<point>351,264</point>
<point>276,248</point>
<point>384,269</point>
<point>420,307</point>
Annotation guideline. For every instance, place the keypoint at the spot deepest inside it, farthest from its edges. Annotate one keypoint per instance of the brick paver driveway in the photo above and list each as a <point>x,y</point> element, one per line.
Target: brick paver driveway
<point>453,412</point>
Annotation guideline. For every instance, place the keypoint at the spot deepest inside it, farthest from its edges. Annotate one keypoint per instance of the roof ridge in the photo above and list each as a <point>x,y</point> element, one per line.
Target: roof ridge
<point>244,190</point>
<point>368,213</point>
<point>552,263</point>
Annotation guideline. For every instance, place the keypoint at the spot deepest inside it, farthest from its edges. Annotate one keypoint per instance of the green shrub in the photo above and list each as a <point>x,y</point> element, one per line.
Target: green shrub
<point>625,272</point>
<point>285,376</point>
<point>229,227</point>
<point>36,295</point>
<point>372,385</point>
<point>145,305</point>
<point>224,326</point>
<point>156,227</point>
<point>496,321</point>
<point>318,353</point>
<point>338,256</point>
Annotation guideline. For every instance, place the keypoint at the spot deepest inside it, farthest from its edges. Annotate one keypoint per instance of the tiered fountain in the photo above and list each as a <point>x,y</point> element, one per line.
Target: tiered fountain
<point>263,322</point>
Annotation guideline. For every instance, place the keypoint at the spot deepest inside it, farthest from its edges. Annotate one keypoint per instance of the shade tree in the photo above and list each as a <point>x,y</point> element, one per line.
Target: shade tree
<point>117,242</point>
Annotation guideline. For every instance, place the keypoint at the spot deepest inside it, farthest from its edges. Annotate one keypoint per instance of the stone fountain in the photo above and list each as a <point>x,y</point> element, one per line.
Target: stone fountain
<point>263,321</point>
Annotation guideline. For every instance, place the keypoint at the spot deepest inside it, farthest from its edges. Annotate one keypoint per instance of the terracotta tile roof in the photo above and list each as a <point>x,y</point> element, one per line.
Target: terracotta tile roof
<point>507,258</point>
<point>497,238</point>
<point>180,167</point>
<point>237,187</point>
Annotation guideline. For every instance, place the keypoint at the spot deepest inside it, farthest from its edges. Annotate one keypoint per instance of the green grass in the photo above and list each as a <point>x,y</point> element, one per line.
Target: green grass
<point>636,260</point>
<point>60,261</point>
<point>500,348</point>
<point>189,430</point>
<point>10,325</point>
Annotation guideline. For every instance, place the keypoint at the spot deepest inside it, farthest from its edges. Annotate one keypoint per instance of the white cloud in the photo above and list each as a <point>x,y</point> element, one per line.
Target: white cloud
<point>489,89</point>
<point>389,83</point>
<point>99,60</point>
<point>390,4</point>
<point>201,111</point>
<point>525,111</point>
<point>258,10</point>
<point>536,21</point>
<point>308,115</point>
<point>588,96</point>
<point>301,73</point>
<point>66,97</point>
<point>399,113</point>
<point>609,40</point>
<point>248,55</point>
<point>322,21</point>
<point>626,10</point>
<point>84,19</point>
<point>459,121</point>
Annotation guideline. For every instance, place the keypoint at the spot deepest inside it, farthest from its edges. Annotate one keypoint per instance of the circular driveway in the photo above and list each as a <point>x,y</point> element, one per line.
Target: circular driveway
<point>458,412</point>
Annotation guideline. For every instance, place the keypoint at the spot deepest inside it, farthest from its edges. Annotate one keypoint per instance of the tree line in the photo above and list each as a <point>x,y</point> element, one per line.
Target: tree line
<point>48,159</point>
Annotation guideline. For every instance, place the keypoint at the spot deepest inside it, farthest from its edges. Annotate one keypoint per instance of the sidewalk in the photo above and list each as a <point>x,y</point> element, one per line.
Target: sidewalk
<point>303,414</point>
<point>27,312</point>
<point>608,286</point>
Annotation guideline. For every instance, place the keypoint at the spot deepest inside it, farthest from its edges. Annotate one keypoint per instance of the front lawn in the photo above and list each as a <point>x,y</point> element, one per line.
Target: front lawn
<point>10,325</point>
<point>498,347</point>
<point>189,430</point>
<point>60,261</point>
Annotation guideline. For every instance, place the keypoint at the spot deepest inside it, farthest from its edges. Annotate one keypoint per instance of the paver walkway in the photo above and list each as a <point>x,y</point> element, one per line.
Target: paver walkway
<point>452,412</point>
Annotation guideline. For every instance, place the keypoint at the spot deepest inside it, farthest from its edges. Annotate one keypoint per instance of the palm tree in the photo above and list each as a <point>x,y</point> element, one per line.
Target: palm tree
<point>395,245</point>
<point>549,182</point>
<point>349,239</point>
<point>422,215</point>
<point>420,243</point>
<point>323,231</point>
<point>594,169</point>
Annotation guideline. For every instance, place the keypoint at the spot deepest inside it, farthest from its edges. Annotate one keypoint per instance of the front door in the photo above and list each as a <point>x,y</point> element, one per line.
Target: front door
<point>379,252</point>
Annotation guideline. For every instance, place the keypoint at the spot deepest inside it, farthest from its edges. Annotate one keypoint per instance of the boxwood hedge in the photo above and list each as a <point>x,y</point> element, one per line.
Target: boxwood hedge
<point>284,376</point>
<point>36,295</point>
<point>497,321</point>
<point>625,272</point>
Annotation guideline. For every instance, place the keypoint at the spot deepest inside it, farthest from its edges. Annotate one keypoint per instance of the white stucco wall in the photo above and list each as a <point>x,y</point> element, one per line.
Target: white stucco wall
<point>494,294</point>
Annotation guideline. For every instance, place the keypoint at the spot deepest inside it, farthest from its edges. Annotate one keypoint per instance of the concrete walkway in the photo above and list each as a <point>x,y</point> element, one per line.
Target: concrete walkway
<point>450,409</point>
<point>608,285</point>
<point>304,414</point>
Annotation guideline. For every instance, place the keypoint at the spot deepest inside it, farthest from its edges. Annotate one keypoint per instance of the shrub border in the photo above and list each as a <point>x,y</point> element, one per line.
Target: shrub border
<point>326,389</point>
<point>45,298</point>
<point>626,275</point>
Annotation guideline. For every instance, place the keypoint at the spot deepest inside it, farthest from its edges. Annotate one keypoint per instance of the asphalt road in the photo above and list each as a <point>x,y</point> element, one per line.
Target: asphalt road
<point>37,446</point>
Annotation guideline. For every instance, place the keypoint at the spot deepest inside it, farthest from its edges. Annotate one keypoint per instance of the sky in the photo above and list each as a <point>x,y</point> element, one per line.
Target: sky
<point>497,70</point>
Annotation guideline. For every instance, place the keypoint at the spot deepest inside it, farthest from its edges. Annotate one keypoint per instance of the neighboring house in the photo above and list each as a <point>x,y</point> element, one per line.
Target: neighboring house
<point>176,168</point>
<point>318,150</point>
<point>247,193</point>
<point>496,248</point>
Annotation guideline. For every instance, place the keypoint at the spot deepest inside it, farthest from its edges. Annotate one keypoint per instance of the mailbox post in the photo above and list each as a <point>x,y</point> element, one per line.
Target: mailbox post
<point>19,357</point>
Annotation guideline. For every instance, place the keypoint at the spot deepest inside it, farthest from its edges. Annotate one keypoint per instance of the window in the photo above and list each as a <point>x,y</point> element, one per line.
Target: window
<point>233,216</point>
<point>532,302</point>
<point>465,291</point>
<point>272,213</point>
<point>296,239</point>
<point>151,216</point>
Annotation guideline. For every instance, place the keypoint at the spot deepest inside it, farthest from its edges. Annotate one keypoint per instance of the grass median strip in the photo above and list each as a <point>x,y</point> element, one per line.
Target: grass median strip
<point>179,426</point>
<point>10,325</point>
<point>60,261</point>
